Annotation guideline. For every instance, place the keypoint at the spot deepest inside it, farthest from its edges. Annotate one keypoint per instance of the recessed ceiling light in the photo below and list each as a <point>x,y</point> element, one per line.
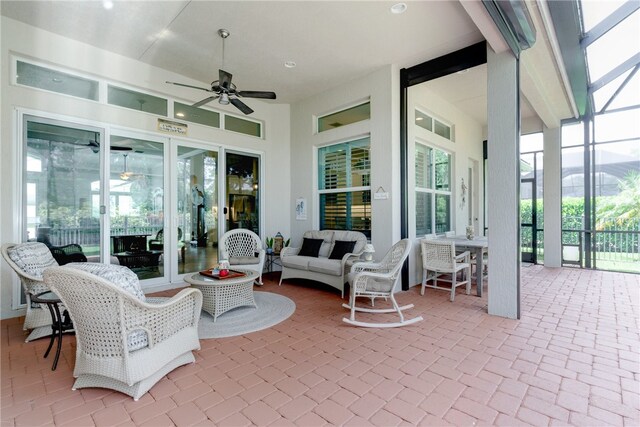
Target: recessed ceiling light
<point>466,70</point>
<point>290,64</point>
<point>56,80</point>
<point>107,4</point>
<point>164,34</point>
<point>398,8</point>
<point>179,114</point>
<point>419,119</point>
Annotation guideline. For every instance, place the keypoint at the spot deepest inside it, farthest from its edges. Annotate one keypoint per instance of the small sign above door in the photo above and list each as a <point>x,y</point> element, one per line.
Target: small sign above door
<point>176,128</point>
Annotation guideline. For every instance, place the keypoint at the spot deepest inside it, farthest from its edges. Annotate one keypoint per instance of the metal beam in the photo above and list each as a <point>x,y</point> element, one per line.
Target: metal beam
<point>566,21</point>
<point>616,17</point>
<point>615,73</point>
<point>620,89</point>
<point>450,63</point>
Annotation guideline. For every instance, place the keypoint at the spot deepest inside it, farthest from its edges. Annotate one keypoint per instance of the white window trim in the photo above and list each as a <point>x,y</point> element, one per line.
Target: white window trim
<point>434,191</point>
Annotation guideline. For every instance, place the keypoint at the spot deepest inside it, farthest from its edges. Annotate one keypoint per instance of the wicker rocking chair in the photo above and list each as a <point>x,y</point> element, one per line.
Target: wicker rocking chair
<point>243,249</point>
<point>377,280</point>
<point>125,342</point>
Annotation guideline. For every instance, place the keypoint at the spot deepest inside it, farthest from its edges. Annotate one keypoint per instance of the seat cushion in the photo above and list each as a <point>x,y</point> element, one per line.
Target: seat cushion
<point>116,274</point>
<point>296,262</point>
<point>243,260</point>
<point>310,247</point>
<point>326,266</point>
<point>341,248</point>
<point>373,284</point>
<point>137,340</point>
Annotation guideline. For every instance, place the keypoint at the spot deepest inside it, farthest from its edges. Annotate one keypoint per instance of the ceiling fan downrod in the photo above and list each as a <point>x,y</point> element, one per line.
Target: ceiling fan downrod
<point>223,34</point>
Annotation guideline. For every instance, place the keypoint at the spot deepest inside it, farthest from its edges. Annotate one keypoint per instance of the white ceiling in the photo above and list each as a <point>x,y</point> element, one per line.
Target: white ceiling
<point>467,91</point>
<point>332,42</point>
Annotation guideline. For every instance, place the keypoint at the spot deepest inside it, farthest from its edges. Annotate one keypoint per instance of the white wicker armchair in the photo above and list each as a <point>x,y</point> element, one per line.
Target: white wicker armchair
<point>439,257</point>
<point>125,343</point>
<point>243,249</point>
<point>29,261</point>
<point>377,280</point>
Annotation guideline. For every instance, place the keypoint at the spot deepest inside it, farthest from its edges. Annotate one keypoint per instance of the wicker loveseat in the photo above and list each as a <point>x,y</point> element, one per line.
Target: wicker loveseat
<point>322,268</point>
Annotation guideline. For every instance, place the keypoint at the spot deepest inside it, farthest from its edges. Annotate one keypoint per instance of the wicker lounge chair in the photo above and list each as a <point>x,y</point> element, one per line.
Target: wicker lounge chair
<point>243,249</point>
<point>29,260</point>
<point>125,342</point>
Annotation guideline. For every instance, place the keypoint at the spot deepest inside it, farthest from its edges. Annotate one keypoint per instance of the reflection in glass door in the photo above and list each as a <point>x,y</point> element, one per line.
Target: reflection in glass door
<point>137,205</point>
<point>197,208</point>
<point>62,192</point>
<point>242,210</point>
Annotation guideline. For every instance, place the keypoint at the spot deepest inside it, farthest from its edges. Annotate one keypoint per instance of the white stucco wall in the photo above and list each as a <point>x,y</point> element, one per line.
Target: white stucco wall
<point>30,43</point>
<point>466,149</point>
<point>382,88</point>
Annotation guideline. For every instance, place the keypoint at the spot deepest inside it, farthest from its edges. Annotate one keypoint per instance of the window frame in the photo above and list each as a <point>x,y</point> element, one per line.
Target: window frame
<point>432,192</point>
<point>435,118</point>
<point>355,104</point>
<point>321,189</point>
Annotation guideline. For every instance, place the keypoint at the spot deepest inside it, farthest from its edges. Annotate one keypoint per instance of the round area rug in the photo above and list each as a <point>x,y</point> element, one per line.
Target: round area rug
<point>272,309</point>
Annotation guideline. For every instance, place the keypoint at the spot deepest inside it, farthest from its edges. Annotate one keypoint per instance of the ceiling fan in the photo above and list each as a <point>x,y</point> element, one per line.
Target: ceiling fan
<point>225,91</point>
<point>95,145</point>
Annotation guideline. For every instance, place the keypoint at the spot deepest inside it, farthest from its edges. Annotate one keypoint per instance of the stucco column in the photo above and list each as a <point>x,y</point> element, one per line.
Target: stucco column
<point>503,183</point>
<point>552,199</point>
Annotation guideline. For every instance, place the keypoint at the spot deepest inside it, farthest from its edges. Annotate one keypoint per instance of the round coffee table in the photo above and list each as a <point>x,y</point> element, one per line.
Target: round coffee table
<point>222,295</point>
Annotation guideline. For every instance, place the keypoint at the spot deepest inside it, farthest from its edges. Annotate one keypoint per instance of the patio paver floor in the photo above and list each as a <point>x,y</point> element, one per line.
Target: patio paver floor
<point>573,358</point>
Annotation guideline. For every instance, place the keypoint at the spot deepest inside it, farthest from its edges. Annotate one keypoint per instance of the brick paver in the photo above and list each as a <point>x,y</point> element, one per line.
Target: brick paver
<point>571,359</point>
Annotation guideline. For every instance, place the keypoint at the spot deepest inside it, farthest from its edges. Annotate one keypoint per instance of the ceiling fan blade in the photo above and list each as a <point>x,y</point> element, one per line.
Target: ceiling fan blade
<point>116,148</point>
<point>205,101</point>
<point>192,87</point>
<point>256,94</point>
<point>225,79</point>
<point>241,105</point>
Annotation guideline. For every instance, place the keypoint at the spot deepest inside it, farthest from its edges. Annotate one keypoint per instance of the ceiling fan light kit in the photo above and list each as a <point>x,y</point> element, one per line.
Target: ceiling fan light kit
<point>224,90</point>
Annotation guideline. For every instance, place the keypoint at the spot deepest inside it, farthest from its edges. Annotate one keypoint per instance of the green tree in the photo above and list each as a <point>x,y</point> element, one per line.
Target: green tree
<point>625,206</point>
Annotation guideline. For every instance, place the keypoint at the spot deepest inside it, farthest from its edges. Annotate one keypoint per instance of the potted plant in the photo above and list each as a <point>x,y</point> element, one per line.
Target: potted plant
<point>269,242</point>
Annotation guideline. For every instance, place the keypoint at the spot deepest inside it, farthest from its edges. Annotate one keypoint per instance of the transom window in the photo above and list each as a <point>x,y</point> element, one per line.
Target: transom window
<point>433,190</point>
<point>77,85</point>
<point>56,81</point>
<point>344,181</point>
<point>344,117</point>
<point>427,122</point>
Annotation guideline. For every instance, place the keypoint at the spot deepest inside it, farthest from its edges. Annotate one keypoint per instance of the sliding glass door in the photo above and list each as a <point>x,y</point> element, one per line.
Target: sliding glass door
<point>61,185</point>
<point>136,204</point>
<point>243,191</point>
<point>147,202</point>
<point>196,217</point>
